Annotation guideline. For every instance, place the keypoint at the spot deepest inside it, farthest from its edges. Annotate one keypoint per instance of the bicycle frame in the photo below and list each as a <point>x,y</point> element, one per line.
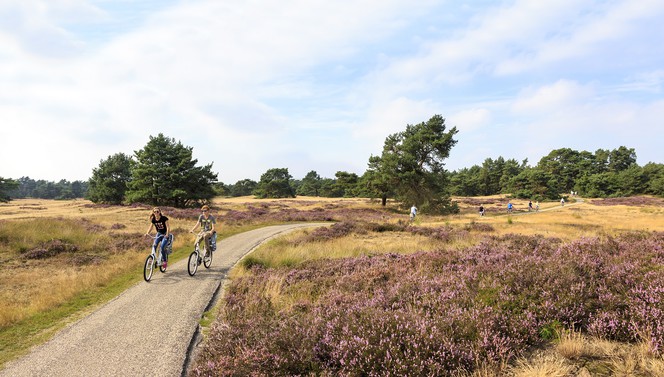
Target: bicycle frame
<point>195,258</point>
<point>155,258</point>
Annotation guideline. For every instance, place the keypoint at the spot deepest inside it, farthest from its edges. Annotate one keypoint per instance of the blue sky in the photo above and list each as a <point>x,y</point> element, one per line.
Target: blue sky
<point>318,85</point>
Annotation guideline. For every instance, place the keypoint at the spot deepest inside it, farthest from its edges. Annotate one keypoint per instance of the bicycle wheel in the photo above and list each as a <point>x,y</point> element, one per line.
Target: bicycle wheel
<point>192,266</point>
<point>207,259</point>
<point>148,270</point>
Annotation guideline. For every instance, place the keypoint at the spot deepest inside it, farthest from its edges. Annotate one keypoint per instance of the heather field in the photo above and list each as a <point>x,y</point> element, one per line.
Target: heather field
<point>469,297</point>
<point>567,291</point>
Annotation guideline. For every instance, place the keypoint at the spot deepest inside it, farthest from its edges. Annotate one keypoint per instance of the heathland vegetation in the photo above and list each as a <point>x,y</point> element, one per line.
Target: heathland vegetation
<point>573,290</point>
<point>565,291</point>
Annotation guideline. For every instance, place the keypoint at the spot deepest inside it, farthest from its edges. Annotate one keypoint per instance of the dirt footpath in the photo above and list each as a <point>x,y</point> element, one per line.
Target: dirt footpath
<point>150,329</point>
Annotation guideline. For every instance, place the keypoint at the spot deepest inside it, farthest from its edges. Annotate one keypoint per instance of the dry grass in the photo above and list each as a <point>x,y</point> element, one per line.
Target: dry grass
<point>34,287</point>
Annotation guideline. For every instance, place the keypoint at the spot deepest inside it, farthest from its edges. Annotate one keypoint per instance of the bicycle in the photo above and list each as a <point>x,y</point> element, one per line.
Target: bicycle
<point>195,258</point>
<point>155,258</point>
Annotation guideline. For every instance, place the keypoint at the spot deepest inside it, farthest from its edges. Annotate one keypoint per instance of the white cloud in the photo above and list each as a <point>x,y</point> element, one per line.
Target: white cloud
<point>301,84</point>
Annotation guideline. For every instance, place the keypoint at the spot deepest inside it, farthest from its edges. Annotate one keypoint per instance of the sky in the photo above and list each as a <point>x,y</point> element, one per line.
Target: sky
<point>252,85</point>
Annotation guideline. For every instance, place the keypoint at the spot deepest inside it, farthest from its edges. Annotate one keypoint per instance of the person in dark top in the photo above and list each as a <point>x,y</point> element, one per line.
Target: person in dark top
<point>481,210</point>
<point>160,223</point>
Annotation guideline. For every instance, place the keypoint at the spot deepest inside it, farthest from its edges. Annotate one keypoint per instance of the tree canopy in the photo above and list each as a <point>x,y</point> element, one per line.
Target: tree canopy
<point>412,166</point>
<point>166,174</point>
<point>109,181</point>
<point>6,186</point>
<point>275,183</point>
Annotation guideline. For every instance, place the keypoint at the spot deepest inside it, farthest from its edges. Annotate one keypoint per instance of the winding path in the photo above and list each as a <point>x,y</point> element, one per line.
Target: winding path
<point>148,330</point>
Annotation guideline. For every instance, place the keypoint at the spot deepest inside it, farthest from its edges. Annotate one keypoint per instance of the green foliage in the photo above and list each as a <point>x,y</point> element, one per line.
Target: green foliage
<point>602,174</point>
<point>243,188</point>
<point>275,183</point>
<point>6,186</point>
<point>109,181</point>
<point>166,174</point>
<point>347,184</point>
<point>411,166</point>
<point>29,188</point>
<point>310,185</point>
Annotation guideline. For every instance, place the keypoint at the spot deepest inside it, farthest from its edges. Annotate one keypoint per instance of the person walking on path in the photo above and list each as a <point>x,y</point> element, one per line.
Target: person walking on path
<point>509,207</point>
<point>530,205</point>
<point>537,206</point>
<point>562,202</point>
<point>413,213</point>
<point>160,223</point>
<point>481,210</point>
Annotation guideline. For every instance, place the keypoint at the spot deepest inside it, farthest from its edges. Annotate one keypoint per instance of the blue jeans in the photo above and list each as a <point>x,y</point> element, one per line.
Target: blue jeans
<point>164,241</point>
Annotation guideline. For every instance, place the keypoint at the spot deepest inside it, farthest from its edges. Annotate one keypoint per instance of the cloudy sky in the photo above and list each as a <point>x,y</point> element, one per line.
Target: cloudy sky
<point>317,84</point>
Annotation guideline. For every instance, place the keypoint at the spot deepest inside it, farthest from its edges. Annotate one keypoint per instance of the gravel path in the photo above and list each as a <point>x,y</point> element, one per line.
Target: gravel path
<point>150,329</point>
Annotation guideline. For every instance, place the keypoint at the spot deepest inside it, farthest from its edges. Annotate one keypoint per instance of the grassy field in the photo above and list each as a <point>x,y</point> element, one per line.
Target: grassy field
<point>60,259</point>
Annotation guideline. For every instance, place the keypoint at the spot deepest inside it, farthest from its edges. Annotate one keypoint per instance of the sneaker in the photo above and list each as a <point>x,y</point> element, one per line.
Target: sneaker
<point>165,264</point>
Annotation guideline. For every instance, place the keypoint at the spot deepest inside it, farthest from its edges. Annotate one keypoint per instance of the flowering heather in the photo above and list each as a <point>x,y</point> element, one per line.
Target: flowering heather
<point>634,201</point>
<point>434,313</point>
<point>258,214</point>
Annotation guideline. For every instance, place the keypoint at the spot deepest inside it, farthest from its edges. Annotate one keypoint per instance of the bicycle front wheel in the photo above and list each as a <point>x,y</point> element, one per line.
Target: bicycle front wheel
<point>207,259</point>
<point>192,266</point>
<point>148,270</point>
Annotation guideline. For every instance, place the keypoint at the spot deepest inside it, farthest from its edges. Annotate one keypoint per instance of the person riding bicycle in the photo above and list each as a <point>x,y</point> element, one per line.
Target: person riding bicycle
<point>160,223</point>
<point>207,223</point>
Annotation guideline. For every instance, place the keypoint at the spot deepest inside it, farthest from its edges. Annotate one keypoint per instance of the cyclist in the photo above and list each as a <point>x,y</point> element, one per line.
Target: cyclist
<point>160,223</point>
<point>207,223</point>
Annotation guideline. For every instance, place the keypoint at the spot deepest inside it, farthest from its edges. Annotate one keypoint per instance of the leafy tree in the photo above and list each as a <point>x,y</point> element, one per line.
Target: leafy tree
<point>310,184</point>
<point>347,183</point>
<point>535,183</point>
<point>376,181</point>
<point>412,164</point>
<point>466,181</point>
<point>330,189</point>
<point>564,164</point>
<point>243,187</point>
<point>166,174</point>
<point>655,177</point>
<point>7,185</point>
<point>621,159</point>
<point>110,179</point>
<point>275,183</point>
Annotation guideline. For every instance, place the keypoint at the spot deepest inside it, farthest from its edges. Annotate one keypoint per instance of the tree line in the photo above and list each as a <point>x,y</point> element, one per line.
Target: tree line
<point>410,170</point>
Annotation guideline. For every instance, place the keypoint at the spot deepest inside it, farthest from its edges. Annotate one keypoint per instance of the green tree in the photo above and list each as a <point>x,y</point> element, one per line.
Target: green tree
<point>655,177</point>
<point>412,164</point>
<point>166,174</point>
<point>330,189</point>
<point>621,159</point>
<point>564,164</point>
<point>376,181</point>
<point>109,180</point>
<point>347,183</point>
<point>310,184</point>
<point>7,185</point>
<point>275,183</point>
<point>243,187</point>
